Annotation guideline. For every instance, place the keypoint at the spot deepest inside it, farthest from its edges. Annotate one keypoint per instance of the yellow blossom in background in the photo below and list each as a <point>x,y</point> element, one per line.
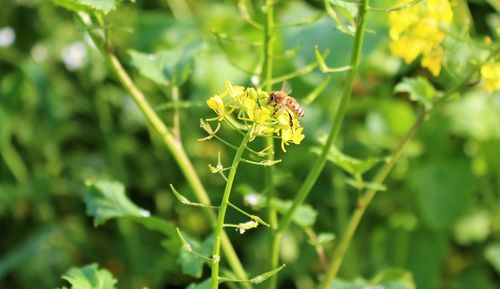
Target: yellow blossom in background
<point>490,72</point>
<point>248,108</point>
<point>416,31</point>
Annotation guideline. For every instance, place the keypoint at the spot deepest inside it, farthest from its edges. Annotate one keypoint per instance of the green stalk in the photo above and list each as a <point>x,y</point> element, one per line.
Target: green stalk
<point>268,45</point>
<point>306,187</point>
<point>268,70</point>
<point>176,119</point>
<point>365,199</point>
<point>222,211</point>
<point>174,146</point>
<point>362,204</point>
<point>269,177</point>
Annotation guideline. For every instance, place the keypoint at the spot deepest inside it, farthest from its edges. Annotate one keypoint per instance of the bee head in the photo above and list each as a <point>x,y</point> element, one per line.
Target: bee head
<point>272,97</point>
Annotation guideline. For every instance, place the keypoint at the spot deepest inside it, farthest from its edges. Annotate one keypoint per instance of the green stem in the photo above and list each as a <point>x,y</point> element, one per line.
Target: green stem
<point>365,199</point>
<point>176,118</point>
<point>268,68</point>
<point>362,204</point>
<point>269,176</point>
<point>222,212</point>
<point>306,187</point>
<point>268,45</point>
<point>175,147</point>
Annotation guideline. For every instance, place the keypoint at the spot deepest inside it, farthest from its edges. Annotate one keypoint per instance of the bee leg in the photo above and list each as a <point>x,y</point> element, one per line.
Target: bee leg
<point>291,120</point>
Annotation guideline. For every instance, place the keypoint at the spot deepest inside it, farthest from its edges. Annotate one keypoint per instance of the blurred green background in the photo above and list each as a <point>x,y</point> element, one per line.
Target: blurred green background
<point>65,119</point>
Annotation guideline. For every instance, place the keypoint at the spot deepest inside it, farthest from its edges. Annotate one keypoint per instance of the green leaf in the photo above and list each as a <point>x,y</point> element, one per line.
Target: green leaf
<point>387,279</point>
<point>104,6</point>
<point>89,277</point>
<point>353,166</point>
<point>343,13</point>
<point>107,200</point>
<point>439,182</point>
<point>419,89</point>
<point>394,279</point>
<point>492,254</point>
<point>155,224</point>
<point>191,264</point>
<point>203,285</point>
<point>304,216</point>
<point>168,67</point>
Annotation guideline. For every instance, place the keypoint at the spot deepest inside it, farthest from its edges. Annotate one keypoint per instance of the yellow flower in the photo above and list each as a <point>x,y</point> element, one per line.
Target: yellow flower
<point>291,134</point>
<point>416,31</point>
<point>255,114</point>
<point>433,59</point>
<point>491,76</point>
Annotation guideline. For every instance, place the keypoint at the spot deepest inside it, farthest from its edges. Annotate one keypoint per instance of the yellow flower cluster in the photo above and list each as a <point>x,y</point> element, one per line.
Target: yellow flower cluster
<point>490,72</point>
<point>417,31</point>
<point>248,109</point>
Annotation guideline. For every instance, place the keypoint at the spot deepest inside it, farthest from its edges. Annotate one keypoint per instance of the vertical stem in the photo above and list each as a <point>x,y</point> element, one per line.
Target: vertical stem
<point>177,151</point>
<point>175,147</point>
<point>222,211</point>
<point>366,198</point>
<point>362,204</point>
<point>268,45</point>
<point>337,121</point>
<point>268,70</point>
<point>268,75</point>
<point>176,119</point>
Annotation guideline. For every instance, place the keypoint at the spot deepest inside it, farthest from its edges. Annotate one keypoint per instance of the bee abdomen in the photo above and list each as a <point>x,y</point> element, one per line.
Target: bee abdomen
<point>300,111</point>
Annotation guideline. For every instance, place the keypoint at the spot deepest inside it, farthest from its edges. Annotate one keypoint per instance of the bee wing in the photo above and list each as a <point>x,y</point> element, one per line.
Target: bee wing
<point>286,87</point>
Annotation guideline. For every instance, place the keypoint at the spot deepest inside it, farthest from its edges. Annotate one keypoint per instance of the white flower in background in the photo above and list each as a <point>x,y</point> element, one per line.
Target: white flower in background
<point>7,36</point>
<point>74,55</point>
<point>39,52</point>
<point>252,199</point>
<point>255,80</point>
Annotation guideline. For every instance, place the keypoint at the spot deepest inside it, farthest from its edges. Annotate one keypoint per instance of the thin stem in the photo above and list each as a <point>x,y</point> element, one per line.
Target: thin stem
<point>268,45</point>
<point>222,212</point>
<point>172,145</point>
<point>396,8</point>
<point>252,217</point>
<point>319,248</point>
<point>316,91</point>
<point>339,116</point>
<point>264,163</point>
<point>242,6</point>
<point>363,202</point>
<point>176,119</point>
<point>233,146</point>
<point>269,173</point>
<point>307,21</point>
<point>204,258</point>
<point>304,70</point>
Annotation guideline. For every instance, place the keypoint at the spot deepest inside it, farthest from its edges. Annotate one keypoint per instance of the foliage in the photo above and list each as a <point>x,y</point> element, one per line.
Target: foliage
<point>392,180</point>
<point>89,277</point>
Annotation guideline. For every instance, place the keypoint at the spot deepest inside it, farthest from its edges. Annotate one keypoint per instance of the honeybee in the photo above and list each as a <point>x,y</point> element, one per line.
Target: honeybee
<point>282,100</point>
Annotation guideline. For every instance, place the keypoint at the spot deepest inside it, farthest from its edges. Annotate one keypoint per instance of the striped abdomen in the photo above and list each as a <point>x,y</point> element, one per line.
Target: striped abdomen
<point>295,107</point>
